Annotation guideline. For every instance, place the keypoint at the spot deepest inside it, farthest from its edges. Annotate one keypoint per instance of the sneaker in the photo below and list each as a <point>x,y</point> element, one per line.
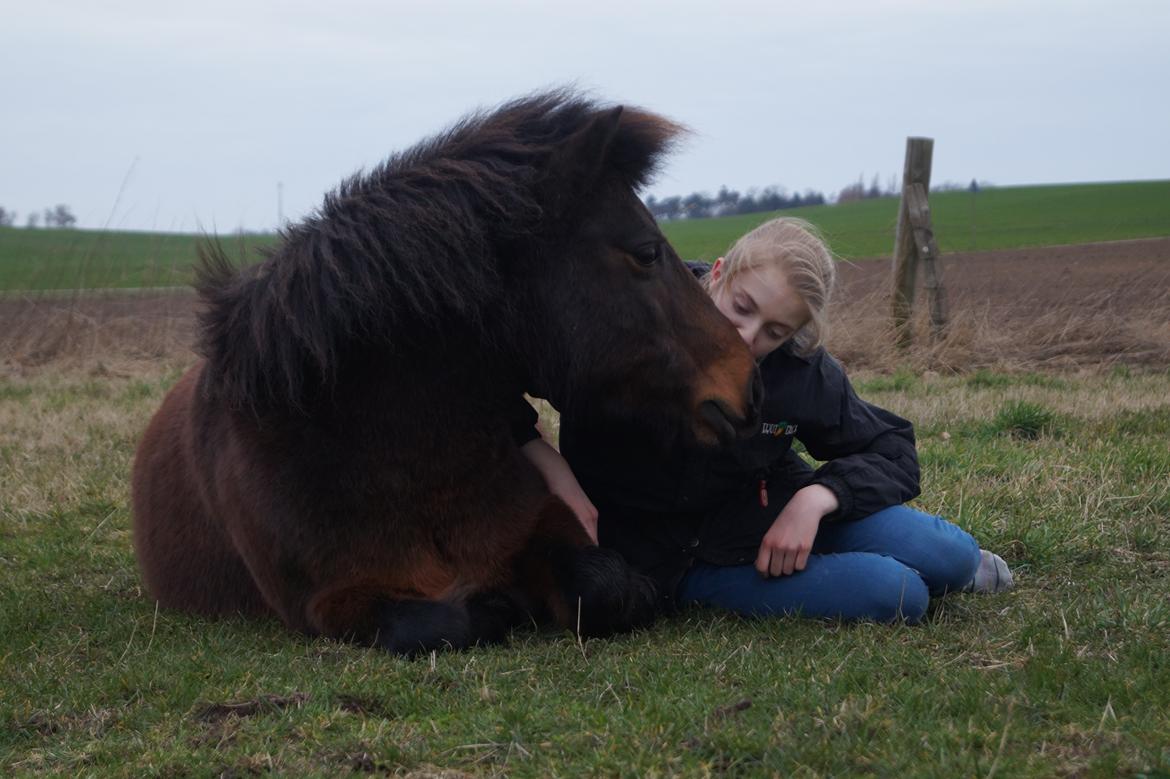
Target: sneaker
<point>992,575</point>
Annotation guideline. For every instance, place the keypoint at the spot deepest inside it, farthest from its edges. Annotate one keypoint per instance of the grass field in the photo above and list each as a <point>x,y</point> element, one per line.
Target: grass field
<point>1069,674</point>
<point>93,259</point>
<point>1002,218</point>
<point>996,218</point>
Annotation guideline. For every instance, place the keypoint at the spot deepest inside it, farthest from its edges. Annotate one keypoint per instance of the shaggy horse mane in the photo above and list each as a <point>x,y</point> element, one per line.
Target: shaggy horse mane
<point>395,253</point>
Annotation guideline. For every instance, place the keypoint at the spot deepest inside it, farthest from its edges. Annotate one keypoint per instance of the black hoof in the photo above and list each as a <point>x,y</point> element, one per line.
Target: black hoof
<point>607,596</point>
<point>415,627</point>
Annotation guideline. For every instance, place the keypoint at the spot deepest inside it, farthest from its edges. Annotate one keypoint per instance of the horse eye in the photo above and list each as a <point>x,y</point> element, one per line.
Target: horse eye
<point>649,254</point>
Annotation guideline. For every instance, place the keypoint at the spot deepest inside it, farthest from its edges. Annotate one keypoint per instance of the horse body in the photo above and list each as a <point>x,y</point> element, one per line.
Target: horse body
<point>371,511</point>
<point>345,457</point>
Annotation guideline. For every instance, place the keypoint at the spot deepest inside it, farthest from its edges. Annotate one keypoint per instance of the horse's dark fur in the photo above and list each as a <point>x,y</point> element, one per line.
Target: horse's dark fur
<point>345,457</point>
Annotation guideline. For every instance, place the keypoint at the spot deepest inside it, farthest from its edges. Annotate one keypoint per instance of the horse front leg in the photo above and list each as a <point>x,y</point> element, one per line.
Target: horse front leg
<point>426,605</point>
<point>585,588</point>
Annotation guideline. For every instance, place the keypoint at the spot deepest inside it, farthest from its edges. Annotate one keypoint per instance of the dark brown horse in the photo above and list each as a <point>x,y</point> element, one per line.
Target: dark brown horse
<point>346,456</point>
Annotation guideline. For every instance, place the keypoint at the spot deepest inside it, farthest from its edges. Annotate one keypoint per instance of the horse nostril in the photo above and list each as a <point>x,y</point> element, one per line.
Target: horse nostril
<point>755,394</point>
<point>720,423</point>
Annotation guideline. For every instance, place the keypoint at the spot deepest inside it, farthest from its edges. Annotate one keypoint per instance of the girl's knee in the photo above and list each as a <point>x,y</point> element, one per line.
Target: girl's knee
<point>944,554</point>
<point>895,593</point>
<point>956,560</point>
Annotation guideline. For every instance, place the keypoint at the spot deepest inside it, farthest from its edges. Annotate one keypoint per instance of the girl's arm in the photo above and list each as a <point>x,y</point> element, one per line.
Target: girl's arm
<point>871,462</point>
<point>556,472</point>
<point>562,483</point>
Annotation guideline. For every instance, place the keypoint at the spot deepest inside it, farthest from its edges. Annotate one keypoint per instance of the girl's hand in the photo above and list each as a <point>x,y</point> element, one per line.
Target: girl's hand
<point>562,483</point>
<point>787,543</point>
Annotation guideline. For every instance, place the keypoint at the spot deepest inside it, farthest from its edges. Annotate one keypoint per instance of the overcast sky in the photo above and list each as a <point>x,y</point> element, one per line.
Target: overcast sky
<point>183,116</point>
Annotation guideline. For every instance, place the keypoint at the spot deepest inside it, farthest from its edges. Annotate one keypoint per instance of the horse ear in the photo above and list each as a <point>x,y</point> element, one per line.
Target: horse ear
<point>585,153</point>
<point>626,141</point>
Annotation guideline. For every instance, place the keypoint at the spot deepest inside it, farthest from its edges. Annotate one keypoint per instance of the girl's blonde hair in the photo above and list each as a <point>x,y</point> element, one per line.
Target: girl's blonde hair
<point>798,248</point>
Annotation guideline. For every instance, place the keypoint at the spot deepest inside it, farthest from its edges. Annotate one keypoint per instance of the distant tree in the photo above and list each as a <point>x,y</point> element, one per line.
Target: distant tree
<point>696,206</point>
<point>7,218</point>
<point>32,221</point>
<point>672,207</point>
<point>61,216</point>
<point>855,191</point>
<point>859,191</point>
<point>727,201</point>
<point>65,217</point>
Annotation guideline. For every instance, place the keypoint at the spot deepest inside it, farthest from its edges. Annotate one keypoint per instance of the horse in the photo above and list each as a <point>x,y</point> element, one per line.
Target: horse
<point>345,454</point>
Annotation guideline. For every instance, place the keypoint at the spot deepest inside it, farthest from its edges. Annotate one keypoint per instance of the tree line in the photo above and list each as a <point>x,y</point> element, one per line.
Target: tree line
<point>58,216</point>
<point>729,202</point>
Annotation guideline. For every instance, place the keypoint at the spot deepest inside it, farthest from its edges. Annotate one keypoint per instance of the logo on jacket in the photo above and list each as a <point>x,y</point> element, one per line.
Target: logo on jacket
<point>777,429</point>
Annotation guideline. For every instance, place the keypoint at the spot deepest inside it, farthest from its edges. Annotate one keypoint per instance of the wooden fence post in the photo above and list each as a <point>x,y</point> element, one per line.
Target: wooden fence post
<point>914,243</point>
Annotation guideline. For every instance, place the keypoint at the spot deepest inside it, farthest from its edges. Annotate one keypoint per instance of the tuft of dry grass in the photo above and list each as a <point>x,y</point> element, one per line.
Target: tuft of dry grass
<point>118,330</point>
<point>1059,309</point>
<point>1058,336</point>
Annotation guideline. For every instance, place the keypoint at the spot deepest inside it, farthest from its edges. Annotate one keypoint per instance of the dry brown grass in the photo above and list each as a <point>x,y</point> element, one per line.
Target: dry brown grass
<point>119,331</point>
<point>1040,321</point>
<point>60,425</point>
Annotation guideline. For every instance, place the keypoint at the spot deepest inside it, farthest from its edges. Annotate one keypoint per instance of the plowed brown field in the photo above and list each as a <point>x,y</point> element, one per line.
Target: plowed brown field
<point>1053,308</point>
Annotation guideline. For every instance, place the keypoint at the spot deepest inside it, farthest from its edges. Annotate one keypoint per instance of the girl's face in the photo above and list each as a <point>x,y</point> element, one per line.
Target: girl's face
<point>762,305</point>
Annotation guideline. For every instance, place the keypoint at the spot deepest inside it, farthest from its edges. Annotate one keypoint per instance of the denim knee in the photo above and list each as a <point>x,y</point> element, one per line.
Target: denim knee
<point>953,561</point>
<point>942,553</point>
<point>893,592</point>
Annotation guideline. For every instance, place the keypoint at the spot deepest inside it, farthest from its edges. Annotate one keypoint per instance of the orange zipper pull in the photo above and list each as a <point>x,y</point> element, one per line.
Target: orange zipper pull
<point>763,493</point>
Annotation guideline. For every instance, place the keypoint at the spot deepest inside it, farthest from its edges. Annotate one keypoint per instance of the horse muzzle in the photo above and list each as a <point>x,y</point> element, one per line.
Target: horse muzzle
<point>723,424</point>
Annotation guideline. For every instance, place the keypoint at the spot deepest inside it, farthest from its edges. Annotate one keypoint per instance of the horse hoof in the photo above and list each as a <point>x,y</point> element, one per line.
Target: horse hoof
<point>610,597</point>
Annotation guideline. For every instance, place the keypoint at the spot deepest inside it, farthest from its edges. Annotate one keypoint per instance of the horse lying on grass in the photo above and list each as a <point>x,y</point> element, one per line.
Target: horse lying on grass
<point>346,455</point>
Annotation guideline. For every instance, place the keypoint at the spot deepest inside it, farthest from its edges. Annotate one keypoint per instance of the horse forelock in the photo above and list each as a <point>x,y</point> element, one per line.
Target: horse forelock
<point>396,253</point>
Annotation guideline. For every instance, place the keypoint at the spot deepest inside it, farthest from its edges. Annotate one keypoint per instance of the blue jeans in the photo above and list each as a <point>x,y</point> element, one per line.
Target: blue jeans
<point>883,567</point>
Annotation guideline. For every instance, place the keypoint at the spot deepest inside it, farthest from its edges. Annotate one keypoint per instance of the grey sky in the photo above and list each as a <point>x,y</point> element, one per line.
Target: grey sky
<point>202,108</point>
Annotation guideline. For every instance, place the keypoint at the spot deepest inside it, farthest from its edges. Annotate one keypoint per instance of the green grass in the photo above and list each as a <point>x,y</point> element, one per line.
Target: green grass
<point>1025,420</point>
<point>1004,218</point>
<point>1067,674</point>
<point>94,259</point>
<point>1007,217</point>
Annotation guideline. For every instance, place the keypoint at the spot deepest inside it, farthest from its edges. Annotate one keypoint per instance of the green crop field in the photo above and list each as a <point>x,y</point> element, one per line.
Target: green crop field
<point>1066,675</point>
<point>995,218</point>
<point>93,259</point>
